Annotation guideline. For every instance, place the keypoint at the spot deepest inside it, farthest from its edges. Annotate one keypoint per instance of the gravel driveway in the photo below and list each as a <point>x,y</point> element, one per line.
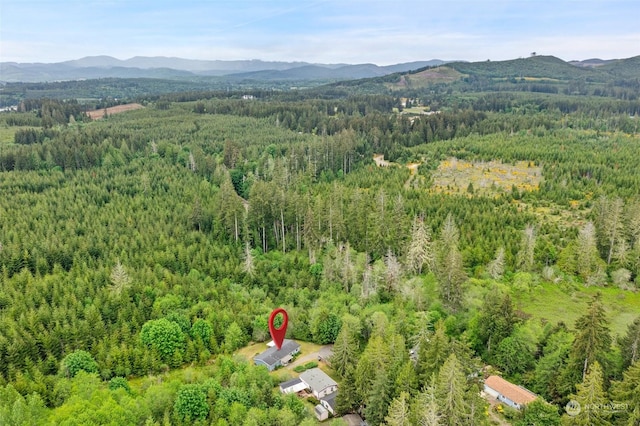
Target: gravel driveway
<point>324,352</point>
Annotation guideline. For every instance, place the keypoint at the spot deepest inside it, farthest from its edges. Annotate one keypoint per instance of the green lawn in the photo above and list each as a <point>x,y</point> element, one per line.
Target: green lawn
<point>553,303</point>
<point>248,352</point>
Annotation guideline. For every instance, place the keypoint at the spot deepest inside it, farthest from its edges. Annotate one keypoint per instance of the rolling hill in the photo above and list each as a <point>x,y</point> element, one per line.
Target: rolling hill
<point>179,68</point>
<point>535,69</point>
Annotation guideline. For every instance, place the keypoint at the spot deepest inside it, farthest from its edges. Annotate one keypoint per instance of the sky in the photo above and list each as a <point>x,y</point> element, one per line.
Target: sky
<point>319,31</point>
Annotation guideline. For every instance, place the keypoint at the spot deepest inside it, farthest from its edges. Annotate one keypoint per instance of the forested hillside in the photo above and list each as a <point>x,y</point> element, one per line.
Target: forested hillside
<point>141,251</point>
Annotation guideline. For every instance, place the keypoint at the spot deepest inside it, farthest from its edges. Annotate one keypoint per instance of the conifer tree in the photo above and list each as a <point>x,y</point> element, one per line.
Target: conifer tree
<point>347,345</point>
<point>496,321</point>
<point>591,342</point>
<point>347,400</point>
<point>406,380</point>
<point>378,399</point>
<point>432,353</point>
<point>609,217</point>
<point>527,248</point>
<point>496,267</point>
<point>420,251</point>
<point>592,399</point>
<point>399,412</point>
<point>627,393</point>
<point>425,410</point>
<point>630,344</point>
<point>539,413</point>
<point>451,388</point>
<point>587,256</point>
<point>248,265</point>
<point>449,266</point>
<point>393,272</point>
<point>120,280</point>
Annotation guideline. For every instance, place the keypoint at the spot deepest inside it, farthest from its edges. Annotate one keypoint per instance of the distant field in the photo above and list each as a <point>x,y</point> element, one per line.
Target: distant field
<point>453,176</point>
<point>7,133</point>
<point>550,302</point>
<point>99,113</point>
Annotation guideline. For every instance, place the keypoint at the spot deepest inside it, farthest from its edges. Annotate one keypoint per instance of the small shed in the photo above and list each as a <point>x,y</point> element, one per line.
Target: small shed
<point>321,412</point>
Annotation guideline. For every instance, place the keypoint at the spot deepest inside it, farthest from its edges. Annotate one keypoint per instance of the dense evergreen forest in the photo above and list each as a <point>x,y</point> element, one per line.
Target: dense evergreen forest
<point>435,236</point>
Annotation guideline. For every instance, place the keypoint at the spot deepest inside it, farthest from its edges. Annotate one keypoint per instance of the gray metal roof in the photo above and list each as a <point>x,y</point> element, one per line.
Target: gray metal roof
<point>290,383</point>
<point>331,400</point>
<point>317,379</point>
<point>273,355</point>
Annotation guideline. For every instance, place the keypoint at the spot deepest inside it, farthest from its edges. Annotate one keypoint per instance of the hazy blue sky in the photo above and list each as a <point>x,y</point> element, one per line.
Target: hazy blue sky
<point>331,31</point>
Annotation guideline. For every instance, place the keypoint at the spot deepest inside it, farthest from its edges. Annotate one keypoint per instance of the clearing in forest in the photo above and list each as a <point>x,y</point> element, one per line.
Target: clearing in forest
<point>413,170</point>
<point>100,113</point>
<point>455,176</point>
<point>443,74</point>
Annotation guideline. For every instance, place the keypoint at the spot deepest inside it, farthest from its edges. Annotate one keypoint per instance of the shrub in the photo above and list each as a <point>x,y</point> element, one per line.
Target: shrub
<point>163,335</point>
<point>78,361</point>
<point>191,403</point>
<point>119,383</point>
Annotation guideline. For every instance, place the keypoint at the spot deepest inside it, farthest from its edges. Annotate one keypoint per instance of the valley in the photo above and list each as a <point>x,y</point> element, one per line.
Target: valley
<point>142,250</point>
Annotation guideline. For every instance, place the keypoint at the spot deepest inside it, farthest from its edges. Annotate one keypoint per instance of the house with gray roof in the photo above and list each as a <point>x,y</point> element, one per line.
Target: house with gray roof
<point>273,357</point>
<point>320,384</point>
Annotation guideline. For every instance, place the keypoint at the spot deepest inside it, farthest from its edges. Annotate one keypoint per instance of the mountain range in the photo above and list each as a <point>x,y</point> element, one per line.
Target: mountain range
<point>178,68</point>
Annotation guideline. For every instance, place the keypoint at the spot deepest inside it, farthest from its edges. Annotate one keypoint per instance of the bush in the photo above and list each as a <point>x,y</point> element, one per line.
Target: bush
<point>307,366</point>
<point>78,361</point>
<point>119,383</point>
<point>191,403</point>
<point>163,335</point>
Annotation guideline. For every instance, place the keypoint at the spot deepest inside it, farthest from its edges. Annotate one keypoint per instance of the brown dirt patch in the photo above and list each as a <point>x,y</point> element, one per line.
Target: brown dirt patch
<point>99,113</point>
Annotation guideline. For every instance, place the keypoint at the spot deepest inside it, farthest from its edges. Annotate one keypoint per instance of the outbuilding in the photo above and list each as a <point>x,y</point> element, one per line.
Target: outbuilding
<point>513,395</point>
<point>293,386</point>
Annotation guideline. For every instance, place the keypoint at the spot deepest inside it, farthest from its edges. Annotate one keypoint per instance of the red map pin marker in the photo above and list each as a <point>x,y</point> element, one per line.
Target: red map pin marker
<point>277,334</point>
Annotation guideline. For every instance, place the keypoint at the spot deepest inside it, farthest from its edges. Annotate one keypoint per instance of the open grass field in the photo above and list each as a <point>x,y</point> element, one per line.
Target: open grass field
<point>7,133</point>
<point>552,303</point>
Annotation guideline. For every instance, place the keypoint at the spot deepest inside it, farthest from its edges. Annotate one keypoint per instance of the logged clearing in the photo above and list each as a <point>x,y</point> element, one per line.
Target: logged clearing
<point>455,176</point>
<point>100,113</point>
<point>424,78</point>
